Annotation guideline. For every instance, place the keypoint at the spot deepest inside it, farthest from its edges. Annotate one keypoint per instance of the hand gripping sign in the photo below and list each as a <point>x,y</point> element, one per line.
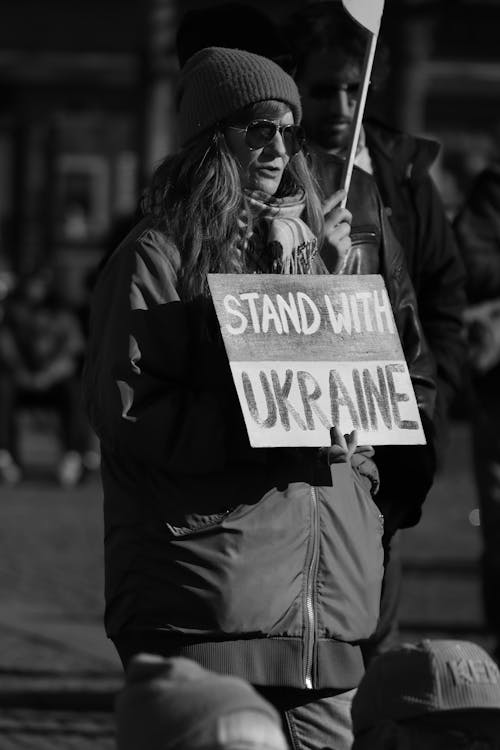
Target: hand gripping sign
<point>310,352</point>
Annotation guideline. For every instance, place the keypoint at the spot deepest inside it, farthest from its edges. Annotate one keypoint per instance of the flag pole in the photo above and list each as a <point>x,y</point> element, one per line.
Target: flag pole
<point>358,115</point>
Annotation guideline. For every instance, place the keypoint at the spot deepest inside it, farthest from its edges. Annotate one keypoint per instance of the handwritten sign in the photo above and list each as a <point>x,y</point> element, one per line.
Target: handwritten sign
<point>308,352</point>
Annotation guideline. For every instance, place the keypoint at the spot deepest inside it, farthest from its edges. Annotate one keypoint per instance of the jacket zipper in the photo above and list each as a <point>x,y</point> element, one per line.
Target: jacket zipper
<point>312,564</point>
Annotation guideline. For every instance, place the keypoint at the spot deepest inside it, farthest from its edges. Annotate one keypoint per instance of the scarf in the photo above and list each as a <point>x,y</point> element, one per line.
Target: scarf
<point>274,239</point>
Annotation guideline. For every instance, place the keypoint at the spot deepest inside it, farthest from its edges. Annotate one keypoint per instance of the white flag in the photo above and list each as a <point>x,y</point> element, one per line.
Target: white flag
<point>368,13</point>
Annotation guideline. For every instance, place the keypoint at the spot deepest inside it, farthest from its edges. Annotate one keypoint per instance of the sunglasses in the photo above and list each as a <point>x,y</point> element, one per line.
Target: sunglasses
<point>260,133</point>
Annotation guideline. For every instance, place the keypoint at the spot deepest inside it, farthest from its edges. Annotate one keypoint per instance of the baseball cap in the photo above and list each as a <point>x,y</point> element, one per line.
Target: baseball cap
<point>427,678</point>
<point>175,703</point>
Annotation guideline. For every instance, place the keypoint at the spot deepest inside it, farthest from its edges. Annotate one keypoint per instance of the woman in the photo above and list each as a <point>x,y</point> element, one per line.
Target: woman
<point>266,563</point>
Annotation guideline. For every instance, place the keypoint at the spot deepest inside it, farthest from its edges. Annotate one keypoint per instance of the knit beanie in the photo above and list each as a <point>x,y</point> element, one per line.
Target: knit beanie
<point>171,703</point>
<point>216,82</point>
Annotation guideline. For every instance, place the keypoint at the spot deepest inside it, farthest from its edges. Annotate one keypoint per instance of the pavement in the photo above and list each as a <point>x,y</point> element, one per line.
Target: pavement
<point>59,674</point>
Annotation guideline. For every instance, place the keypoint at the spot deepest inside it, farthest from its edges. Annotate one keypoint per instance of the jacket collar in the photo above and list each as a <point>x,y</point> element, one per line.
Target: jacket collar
<point>411,156</point>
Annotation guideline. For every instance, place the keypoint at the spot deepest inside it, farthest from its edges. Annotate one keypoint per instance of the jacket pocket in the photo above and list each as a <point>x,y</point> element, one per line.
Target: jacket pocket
<point>194,522</point>
<point>240,573</point>
<point>197,523</point>
<point>351,558</point>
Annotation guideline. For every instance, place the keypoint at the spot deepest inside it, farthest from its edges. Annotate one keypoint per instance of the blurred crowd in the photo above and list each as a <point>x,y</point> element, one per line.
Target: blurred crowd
<point>42,344</point>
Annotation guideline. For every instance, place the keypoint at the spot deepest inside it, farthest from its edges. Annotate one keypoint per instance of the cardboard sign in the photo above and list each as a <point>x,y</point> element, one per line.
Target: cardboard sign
<point>308,352</point>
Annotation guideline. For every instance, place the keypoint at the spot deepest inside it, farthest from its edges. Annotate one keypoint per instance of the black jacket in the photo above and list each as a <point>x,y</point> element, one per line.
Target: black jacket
<point>401,164</point>
<point>376,249</point>
<point>266,563</point>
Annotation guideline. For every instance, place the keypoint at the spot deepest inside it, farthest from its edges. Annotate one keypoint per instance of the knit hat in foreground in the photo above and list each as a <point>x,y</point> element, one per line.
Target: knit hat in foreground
<point>216,82</point>
<point>175,703</point>
<point>430,677</point>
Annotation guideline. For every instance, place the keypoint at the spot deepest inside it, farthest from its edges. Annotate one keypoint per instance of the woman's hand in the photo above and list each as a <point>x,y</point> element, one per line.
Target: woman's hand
<point>337,227</point>
<point>345,449</point>
<point>343,446</point>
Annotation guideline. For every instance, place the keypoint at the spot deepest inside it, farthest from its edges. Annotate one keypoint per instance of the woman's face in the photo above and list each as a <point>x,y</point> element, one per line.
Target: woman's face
<point>262,168</point>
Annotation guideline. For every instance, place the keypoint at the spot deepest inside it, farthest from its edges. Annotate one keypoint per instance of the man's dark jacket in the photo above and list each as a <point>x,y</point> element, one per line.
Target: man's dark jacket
<point>404,196</point>
<point>401,164</point>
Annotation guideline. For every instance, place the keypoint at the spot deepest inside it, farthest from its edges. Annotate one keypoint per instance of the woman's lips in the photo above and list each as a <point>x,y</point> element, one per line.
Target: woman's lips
<point>272,171</point>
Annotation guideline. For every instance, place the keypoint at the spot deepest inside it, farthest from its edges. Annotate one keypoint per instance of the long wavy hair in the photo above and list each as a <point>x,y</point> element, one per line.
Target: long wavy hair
<point>197,199</point>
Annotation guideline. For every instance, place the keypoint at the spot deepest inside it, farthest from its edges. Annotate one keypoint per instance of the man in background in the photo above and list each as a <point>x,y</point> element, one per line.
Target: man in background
<point>329,49</point>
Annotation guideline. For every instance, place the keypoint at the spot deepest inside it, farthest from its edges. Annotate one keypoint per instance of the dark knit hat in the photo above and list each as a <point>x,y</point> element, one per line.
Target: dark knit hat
<point>216,82</point>
<point>175,703</point>
<point>428,678</point>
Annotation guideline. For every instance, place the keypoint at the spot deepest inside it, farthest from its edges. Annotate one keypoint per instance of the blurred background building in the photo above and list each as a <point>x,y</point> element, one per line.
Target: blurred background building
<point>87,109</point>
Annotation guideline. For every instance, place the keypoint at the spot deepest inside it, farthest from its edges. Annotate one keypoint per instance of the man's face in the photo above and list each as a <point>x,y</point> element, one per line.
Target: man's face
<point>328,87</point>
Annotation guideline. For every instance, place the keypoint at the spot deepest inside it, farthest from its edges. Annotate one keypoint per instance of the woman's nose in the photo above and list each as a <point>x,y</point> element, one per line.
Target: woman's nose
<point>277,145</point>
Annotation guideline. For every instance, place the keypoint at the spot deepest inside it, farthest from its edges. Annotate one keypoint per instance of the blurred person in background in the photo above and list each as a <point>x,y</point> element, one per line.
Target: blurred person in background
<point>329,49</point>
<point>41,351</point>
<point>477,228</point>
<point>432,695</point>
<point>261,563</point>
<point>175,703</point>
